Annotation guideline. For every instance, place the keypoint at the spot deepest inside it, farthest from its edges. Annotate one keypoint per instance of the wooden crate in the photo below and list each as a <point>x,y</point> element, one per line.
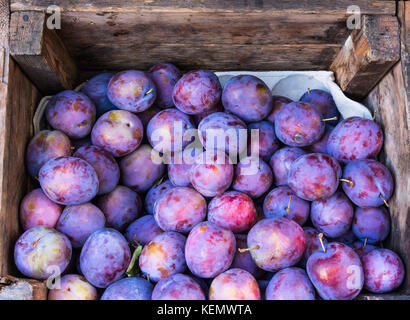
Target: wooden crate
<point>371,64</point>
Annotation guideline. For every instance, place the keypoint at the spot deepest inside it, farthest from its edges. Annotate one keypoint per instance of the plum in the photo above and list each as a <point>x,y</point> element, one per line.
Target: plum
<point>323,103</point>
<point>298,124</point>
<point>211,176</point>
<point>332,216</point>
<point>154,193</point>
<point>179,209</point>
<point>83,142</point>
<point>177,287</point>
<point>314,176</point>
<point>68,180</point>
<point>320,146</point>
<point>276,243</point>
<point>234,284</point>
<point>119,132</point>
<point>96,90</point>
<point>146,115</point>
<point>223,131</point>
<point>140,169</point>
<point>247,97</point>
<point>104,164</point>
<point>133,288</point>
<point>79,222</point>
<point>38,210</point>
<point>372,224</point>
<point>198,117</point>
<point>313,243</point>
<point>267,143</point>
<point>355,138</point>
<point>281,161</point>
<point>44,146</point>
<point>165,76</point>
<point>209,250</point>
<point>362,248</point>
<point>197,92</point>
<point>73,287</point>
<point>232,210</point>
<point>337,273</point>
<point>142,230</point>
<point>132,90</point>
<point>104,257</point>
<point>167,131</point>
<point>72,113</point>
<point>243,260</point>
<point>283,202</point>
<point>278,102</point>
<point>367,183</point>
<point>347,238</point>
<point>180,166</point>
<point>163,256</point>
<point>383,270</point>
<point>121,206</point>
<point>290,284</point>
<point>252,176</point>
<point>42,252</point>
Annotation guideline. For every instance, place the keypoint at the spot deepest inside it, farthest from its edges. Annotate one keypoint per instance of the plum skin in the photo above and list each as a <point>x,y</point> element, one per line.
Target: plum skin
<point>209,250</point>
<point>268,143</point>
<point>243,260</point>
<point>165,76</point>
<point>313,244</point>
<point>177,287</point>
<point>323,102</point>
<point>73,287</point>
<point>371,223</point>
<point>281,161</point>
<point>155,193</point>
<point>234,284</point>
<point>278,102</point>
<point>133,288</point>
<point>104,257</point>
<point>42,251</point>
<point>142,230</point>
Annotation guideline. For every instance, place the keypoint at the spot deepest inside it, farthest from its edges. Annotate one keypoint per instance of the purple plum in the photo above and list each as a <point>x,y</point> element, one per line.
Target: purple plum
<point>154,193</point>
<point>177,287</point>
<point>372,224</point>
<point>243,260</point>
<point>180,166</point>
<point>323,103</point>
<point>133,288</point>
<point>362,248</point>
<point>313,244</point>
<point>142,230</point>
<point>281,161</point>
<point>267,143</point>
<point>320,146</point>
<point>278,102</point>
<point>73,287</point>
<point>165,76</point>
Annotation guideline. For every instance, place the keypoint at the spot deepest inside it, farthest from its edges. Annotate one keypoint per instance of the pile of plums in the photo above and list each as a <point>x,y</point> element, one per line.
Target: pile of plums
<point>303,217</point>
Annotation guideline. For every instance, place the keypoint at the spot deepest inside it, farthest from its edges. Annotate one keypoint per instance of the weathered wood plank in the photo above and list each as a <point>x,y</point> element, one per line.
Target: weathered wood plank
<point>12,288</point>
<point>285,6</point>
<point>390,102</point>
<point>40,52</point>
<point>18,101</point>
<point>367,55</point>
<point>404,18</point>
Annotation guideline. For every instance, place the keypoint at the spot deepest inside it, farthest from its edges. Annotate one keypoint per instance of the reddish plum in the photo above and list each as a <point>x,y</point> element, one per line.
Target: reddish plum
<point>156,192</point>
<point>313,244</point>
<point>368,183</point>
<point>278,102</point>
<point>79,222</point>
<point>355,138</point>
<point>73,287</point>
<point>142,230</point>
<point>281,161</point>
<point>133,288</point>
<point>314,176</point>
<point>276,243</point>
<point>248,97</point>
<point>104,257</point>
<point>42,252</point>
<point>243,260</point>
<point>179,209</point>
<point>38,210</point>
<point>119,132</point>
<point>121,206</point>
<point>234,284</point>
<point>209,250</point>
<point>232,210</point>
<point>283,202</point>
<point>68,180</point>
<point>332,216</point>
<point>165,76</point>
<point>163,256</point>
<point>197,92</point>
<point>267,143</point>
<point>132,90</point>
<point>323,102</point>
<point>177,287</point>
<point>44,146</point>
<point>372,224</point>
<point>290,284</point>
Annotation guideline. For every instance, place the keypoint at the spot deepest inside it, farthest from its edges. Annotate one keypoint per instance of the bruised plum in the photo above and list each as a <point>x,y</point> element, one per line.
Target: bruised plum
<point>142,230</point>
<point>178,287</point>
<point>165,76</point>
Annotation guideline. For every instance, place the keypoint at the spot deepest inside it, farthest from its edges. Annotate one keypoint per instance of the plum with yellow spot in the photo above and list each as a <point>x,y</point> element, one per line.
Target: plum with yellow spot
<point>73,287</point>
<point>142,230</point>
<point>132,288</point>
<point>163,256</point>
<point>177,287</point>
<point>165,76</point>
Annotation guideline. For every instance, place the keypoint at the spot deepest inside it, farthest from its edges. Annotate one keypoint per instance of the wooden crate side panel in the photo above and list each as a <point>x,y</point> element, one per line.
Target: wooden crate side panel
<point>389,100</point>
<point>21,98</point>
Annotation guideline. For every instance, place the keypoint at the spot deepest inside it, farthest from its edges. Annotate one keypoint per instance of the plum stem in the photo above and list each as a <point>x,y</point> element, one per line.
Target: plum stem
<point>384,200</point>
<point>148,92</point>
<point>131,270</point>
<point>288,207</point>
<point>308,90</point>
<point>321,242</point>
<point>374,115</point>
<point>248,249</point>
<point>348,181</point>
<point>329,119</point>
<point>365,242</point>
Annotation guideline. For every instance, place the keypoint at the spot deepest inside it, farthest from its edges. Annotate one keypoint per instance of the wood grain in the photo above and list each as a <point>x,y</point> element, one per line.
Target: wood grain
<point>404,18</point>
<point>40,53</point>
<point>390,102</point>
<point>367,55</point>
<point>12,288</point>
